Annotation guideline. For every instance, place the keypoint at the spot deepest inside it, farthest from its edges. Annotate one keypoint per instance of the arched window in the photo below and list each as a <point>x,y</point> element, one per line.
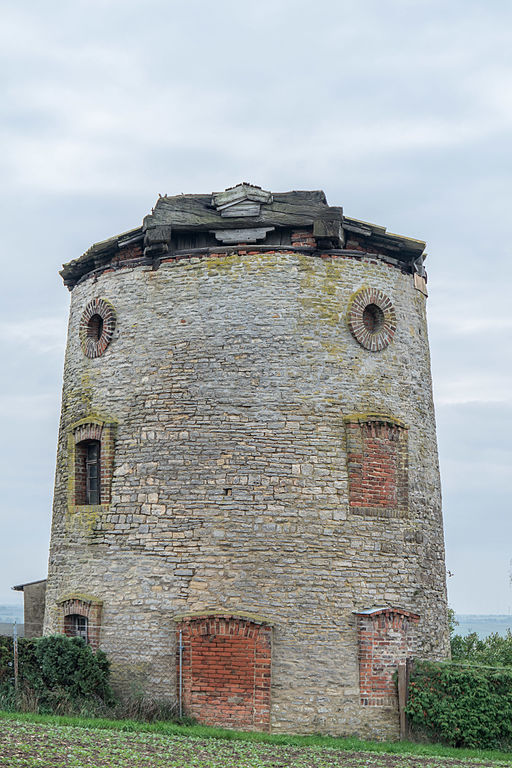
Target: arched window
<point>76,625</point>
<point>91,462</point>
<point>80,617</point>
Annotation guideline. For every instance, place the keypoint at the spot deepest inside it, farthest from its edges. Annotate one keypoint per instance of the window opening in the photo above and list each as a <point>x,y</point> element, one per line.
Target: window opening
<point>95,327</point>
<point>92,473</point>
<point>76,626</point>
<point>373,318</point>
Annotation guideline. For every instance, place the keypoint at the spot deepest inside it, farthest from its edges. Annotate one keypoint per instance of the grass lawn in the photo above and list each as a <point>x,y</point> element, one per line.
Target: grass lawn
<point>27,741</point>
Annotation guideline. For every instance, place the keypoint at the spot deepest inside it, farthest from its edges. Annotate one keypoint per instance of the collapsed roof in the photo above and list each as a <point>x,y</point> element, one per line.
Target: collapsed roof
<point>242,215</point>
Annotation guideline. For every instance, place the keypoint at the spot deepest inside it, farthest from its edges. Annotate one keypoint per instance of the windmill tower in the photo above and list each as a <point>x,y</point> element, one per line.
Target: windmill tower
<point>247,462</point>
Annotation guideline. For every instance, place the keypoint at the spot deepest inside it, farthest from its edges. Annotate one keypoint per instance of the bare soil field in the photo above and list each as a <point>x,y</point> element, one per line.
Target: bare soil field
<point>27,745</point>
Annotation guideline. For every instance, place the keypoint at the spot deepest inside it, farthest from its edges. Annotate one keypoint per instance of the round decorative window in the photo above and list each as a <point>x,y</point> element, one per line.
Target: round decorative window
<point>372,319</point>
<point>97,327</point>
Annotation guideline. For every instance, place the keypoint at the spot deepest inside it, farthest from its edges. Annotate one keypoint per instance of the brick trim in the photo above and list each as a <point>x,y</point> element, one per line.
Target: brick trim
<point>360,303</point>
<point>226,670</point>
<point>91,428</point>
<point>94,347</point>
<point>386,638</point>
<point>377,465</point>
<point>80,605</point>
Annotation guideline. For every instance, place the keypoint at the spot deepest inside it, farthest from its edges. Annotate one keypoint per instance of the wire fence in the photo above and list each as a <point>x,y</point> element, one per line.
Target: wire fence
<point>8,628</point>
<point>168,625</point>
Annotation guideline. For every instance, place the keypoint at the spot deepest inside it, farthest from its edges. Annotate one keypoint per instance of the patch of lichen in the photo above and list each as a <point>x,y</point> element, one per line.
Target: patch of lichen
<point>319,290</point>
<point>85,392</point>
<point>223,264</point>
<point>253,264</point>
<point>218,612</point>
<point>94,418</point>
<point>365,416</point>
<point>79,596</point>
<point>84,518</point>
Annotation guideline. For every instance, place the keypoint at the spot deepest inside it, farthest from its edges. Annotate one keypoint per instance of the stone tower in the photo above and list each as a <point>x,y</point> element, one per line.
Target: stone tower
<point>247,500</point>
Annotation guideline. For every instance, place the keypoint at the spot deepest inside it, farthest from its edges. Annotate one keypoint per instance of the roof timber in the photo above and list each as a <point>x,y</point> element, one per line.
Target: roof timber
<point>189,212</point>
<point>234,209</point>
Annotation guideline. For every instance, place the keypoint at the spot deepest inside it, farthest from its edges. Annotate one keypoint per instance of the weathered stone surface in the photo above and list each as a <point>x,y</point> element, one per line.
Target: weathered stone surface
<point>229,378</point>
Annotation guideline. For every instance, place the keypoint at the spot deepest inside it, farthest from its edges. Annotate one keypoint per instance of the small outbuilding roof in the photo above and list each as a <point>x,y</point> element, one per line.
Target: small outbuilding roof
<point>21,587</point>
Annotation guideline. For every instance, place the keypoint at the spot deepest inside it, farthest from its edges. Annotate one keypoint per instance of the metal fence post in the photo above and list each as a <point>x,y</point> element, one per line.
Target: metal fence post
<point>181,675</point>
<point>15,653</point>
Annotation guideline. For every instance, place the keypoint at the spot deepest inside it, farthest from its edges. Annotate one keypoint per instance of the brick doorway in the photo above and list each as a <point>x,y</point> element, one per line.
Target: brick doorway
<point>226,671</point>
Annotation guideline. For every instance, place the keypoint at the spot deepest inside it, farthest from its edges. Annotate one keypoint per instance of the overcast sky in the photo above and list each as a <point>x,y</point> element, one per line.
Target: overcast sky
<point>400,110</point>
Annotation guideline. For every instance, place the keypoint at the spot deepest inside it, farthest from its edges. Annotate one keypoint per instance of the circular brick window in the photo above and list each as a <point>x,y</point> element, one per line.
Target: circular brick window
<point>97,327</point>
<point>372,319</point>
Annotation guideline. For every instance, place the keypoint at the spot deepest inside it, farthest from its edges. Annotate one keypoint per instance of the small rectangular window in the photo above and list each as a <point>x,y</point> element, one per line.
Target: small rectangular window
<point>76,626</point>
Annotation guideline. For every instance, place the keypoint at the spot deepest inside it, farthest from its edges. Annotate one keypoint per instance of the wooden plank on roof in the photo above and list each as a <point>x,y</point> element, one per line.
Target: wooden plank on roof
<point>194,212</point>
<point>240,192</point>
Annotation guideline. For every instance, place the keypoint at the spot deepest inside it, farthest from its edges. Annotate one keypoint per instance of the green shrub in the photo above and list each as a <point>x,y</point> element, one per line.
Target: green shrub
<point>26,661</point>
<point>57,674</point>
<point>68,663</point>
<point>462,706</point>
<point>494,650</point>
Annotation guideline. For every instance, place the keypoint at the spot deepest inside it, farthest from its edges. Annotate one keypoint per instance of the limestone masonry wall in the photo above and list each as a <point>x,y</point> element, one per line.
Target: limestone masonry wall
<point>235,404</point>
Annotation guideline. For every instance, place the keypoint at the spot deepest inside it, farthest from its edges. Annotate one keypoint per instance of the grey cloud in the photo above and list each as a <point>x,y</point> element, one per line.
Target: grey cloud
<point>400,111</point>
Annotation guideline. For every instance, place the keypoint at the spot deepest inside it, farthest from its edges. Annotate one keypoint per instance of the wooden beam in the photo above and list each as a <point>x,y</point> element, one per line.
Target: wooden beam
<point>230,236</point>
<point>327,228</point>
<point>402,700</point>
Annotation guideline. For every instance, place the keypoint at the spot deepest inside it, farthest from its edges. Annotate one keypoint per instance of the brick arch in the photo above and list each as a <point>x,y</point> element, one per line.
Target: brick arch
<point>88,431</point>
<point>226,668</point>
<point>90,608</point>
